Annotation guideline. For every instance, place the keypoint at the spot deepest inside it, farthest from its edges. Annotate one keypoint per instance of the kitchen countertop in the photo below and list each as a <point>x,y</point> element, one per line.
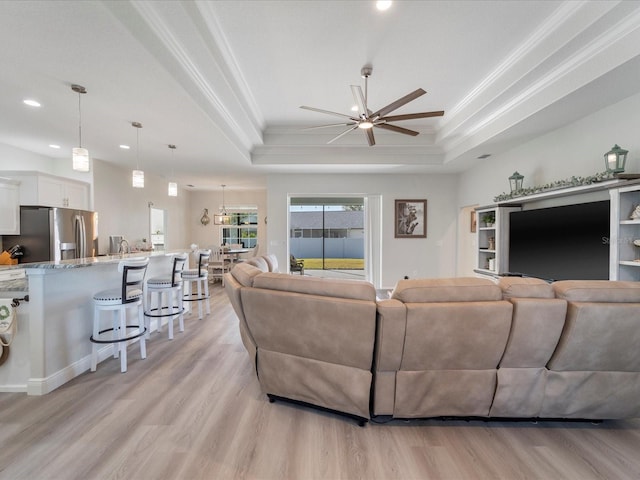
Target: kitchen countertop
<point>17,285</point>
<point>91,261</point>
<point>22,284</point>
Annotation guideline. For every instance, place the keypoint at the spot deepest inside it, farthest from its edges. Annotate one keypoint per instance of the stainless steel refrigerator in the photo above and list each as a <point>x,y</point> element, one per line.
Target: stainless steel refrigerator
<point>55,234</point>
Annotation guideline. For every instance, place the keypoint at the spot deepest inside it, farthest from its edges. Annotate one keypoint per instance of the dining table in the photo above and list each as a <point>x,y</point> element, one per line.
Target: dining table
<point>234,253</point>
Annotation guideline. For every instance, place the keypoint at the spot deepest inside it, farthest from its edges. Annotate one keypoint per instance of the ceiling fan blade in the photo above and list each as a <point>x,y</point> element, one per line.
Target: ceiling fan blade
<point>370,139</point>
<point>393,128</point>
<point>398,103</point>
<point>410,116</point>
<point>342,134</point>
<point>329,113</point>
<point>330,125</point>
<point>358,97</point>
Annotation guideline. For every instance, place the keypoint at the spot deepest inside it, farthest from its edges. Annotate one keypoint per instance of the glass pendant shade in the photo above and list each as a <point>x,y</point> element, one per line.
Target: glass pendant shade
<point>138,179</point>
<point>223,219</point>
<point>80,159</point>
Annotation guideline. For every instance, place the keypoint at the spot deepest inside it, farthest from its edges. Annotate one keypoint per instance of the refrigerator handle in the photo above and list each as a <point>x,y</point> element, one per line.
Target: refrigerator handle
<point>80,237</point>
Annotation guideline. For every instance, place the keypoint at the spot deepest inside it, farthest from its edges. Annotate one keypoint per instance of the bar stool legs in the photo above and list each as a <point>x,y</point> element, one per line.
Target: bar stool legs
<point>164,303</point>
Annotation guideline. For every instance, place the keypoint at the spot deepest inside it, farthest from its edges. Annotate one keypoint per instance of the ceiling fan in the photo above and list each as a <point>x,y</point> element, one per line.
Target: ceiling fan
<point>366,119</point>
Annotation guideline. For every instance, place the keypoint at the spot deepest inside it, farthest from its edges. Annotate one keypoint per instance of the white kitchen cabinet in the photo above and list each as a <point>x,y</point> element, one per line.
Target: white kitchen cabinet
<point>52,191</point>
<point>9,207</point>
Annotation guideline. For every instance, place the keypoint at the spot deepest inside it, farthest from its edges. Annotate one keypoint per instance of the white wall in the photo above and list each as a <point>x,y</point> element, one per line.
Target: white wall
<point>434,256</point>
<point>124,210</point>
<point>12,158</point>
<point>577,149</point>
<point>211,235</point>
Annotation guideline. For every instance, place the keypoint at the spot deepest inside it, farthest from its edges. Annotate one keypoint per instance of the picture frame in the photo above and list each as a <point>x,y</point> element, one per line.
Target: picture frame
<point>411,218</point>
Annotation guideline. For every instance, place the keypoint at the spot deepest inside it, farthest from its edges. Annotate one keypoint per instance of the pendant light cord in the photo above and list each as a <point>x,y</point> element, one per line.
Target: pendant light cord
<point>137,149</point>
<point>79,120</point>
<point>224,209</point>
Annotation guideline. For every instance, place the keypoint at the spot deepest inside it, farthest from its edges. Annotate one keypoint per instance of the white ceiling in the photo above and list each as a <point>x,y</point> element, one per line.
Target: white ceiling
<point>224,80</point>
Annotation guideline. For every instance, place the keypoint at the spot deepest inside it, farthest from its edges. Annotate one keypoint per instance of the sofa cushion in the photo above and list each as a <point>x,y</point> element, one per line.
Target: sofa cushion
<point>244,273</point>
<point>353,289</point>
<point>258,262</point>
<point>464,289</point>
<point>598,291</point>
<point>272,262</point>
<point>519,287</point>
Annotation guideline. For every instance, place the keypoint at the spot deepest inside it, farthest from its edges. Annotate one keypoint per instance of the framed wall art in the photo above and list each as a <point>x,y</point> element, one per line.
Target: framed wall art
<point>411,219</point>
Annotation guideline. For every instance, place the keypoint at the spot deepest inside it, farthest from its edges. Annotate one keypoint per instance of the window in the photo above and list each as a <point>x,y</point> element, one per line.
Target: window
<point>243,227</point>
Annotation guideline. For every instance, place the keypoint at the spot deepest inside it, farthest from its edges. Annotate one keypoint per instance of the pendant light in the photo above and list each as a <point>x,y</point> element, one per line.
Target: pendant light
<point>173,186</point>
<point>80,155</point>
<point>223,218</point>
<point>138,175</point>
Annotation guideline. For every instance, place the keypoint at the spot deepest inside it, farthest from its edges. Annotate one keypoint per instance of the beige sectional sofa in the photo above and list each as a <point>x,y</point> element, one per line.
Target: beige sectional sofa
<point>459,347</point>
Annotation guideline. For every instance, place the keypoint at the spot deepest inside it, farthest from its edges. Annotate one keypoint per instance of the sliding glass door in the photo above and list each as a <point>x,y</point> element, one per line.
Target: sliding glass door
<point>328,234</point>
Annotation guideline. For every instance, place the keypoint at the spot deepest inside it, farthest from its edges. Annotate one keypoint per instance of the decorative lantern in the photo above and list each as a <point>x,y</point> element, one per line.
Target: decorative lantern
<point>615,159</point>
<point>515,182</point>
<point>204,220</point>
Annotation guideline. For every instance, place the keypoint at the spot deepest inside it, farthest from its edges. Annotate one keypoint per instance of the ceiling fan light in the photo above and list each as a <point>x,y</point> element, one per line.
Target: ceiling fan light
<point>365,125</point>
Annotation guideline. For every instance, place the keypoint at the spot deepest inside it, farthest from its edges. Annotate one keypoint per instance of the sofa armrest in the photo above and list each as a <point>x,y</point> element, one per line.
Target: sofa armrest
<point>392,324</point>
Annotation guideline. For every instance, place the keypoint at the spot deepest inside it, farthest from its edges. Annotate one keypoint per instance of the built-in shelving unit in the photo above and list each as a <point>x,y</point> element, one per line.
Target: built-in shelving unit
<point>493,240</point>
<point>624,256</point>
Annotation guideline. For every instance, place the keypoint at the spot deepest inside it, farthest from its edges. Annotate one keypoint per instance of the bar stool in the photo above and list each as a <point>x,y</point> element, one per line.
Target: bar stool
<point>120,301</point>
<point>200,277</point>
<point>164,297</point>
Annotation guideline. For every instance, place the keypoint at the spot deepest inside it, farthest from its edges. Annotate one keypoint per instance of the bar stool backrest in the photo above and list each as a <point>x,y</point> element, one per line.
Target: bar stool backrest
<point>203,261</point>
<point>133,272</point>
<point>179,262</point>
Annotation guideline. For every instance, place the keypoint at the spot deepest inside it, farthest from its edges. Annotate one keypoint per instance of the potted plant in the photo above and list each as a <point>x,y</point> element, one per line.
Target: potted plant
<point>489,219</point>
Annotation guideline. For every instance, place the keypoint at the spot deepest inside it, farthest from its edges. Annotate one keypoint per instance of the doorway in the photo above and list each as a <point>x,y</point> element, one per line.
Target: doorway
<point>157,228</point>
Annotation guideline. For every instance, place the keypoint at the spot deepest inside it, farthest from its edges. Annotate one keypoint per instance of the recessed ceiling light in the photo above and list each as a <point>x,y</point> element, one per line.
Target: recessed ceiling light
<point>483,156</point>
<point>354,108</point>
<point>54,146</point>
<point>125,147</point>
<point>31,103</point>
<point>383,5</point>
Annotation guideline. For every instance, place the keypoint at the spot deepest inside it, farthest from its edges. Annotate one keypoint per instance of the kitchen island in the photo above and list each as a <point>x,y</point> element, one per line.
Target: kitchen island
<point>52,344</point>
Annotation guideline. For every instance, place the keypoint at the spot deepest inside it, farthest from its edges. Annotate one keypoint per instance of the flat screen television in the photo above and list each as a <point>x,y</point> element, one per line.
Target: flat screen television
<point>561,243</point>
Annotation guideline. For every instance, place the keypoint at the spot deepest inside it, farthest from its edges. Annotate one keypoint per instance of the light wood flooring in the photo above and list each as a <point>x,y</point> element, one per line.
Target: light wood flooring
<point>193,410</point>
